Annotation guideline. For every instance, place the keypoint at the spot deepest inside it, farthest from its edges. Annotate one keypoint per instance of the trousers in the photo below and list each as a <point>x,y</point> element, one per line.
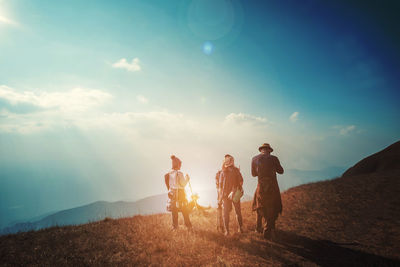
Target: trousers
<point>185,214</point>
<point>227,205</point>
<point>220,220</point>
<point>269,221</point>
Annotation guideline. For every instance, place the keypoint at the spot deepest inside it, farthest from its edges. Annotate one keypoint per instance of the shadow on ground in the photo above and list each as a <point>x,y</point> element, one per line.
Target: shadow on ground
<point>289,248</point>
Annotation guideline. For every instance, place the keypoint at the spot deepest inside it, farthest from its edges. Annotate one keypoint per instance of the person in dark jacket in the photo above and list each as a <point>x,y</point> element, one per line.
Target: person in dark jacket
<point>230,181</point>
<point>175,183</point>
<point>267,198</point>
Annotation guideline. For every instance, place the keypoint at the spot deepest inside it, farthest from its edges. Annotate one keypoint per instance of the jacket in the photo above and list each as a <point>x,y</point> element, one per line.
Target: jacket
<point>267,196</point>
<point>229,181</point>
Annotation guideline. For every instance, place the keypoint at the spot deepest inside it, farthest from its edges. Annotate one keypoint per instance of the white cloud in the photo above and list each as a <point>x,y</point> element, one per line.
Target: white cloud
<point>134,120</point>
<point>294,117</point>
<point>124,64</point>
<point>242,118</point>
<point>169,132</point>
<point>76,108</point>
<point>77,99</point>
<point>194,138</point>
<point>142,99</point>
<point>347,129</point>
<point>46,110</point>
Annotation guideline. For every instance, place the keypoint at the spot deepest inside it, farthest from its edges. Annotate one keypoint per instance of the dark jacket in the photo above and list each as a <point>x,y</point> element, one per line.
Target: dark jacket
<point>267,197</point>
<point>230,180</point>
<point>265,166</point>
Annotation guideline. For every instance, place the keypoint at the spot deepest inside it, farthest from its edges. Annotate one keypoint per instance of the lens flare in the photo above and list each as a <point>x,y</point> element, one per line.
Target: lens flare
<point>208,48</point>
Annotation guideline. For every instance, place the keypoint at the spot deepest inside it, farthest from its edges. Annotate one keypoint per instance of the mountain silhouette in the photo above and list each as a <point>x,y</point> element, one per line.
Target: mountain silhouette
<point>102,209</point>
<point>384,160</point>
<point>93,212</point>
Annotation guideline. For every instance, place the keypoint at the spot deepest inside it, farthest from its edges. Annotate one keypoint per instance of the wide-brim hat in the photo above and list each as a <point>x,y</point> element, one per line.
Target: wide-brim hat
<point>265,145</point>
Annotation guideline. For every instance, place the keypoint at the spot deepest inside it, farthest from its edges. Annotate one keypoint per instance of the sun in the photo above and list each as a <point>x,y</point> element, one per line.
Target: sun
<point>5,20</point>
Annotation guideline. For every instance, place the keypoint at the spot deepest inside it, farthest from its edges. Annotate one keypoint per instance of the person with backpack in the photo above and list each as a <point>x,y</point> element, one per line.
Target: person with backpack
<point>267,198</point>
<point>177,202</point>
<point>230,191</point>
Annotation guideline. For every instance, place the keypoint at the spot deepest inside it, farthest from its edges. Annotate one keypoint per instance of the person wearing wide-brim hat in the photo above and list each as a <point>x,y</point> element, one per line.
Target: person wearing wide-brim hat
<point>267,198</point>
<point>265,146</point>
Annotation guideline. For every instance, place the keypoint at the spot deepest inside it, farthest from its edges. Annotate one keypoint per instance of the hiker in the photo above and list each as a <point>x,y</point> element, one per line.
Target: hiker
<point>220,222</point>
<point>230,184</point>
<point>176,182</point>
<point>267,198</point>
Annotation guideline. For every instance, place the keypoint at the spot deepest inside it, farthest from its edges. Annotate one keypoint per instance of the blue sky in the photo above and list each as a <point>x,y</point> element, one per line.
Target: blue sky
<point>96,95</point>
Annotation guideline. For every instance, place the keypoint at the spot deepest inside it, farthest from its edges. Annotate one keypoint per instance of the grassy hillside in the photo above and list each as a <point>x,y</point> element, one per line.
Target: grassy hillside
<point>346,221</point>
<point>384,160</point>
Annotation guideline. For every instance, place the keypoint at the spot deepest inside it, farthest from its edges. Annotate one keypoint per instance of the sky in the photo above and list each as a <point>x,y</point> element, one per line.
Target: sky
<point>95,96</point>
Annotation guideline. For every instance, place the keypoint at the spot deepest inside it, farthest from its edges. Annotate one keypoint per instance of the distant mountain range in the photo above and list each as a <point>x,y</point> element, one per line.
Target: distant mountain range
<point>92,212</point>
<point>294,177</point>
<point>102,209</point>
<point>151,205</point>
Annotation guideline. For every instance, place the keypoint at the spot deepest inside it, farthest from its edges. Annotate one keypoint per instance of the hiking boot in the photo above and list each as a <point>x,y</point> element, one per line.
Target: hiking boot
<point>273,235</point>
<point>267,234</point>
<point>258,230</point>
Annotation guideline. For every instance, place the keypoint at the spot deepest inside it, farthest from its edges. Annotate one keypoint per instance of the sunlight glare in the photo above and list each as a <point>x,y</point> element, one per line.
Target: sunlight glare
<point>5,20</point>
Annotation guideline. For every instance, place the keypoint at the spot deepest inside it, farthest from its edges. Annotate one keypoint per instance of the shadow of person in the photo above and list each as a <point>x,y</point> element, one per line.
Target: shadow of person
<point>290,248</point>
<point>256,248</point>
<point>328,253</point>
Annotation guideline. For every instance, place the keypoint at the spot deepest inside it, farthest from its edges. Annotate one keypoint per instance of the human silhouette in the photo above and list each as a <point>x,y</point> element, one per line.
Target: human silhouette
<point>267,198</point>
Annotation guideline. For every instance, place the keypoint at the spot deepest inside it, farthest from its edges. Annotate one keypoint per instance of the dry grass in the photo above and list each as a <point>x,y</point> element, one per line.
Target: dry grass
<point>347,221</point>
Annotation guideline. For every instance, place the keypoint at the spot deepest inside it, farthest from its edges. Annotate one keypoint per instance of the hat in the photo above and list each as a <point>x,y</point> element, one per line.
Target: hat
<point>265,145</point>
<point>176,163</point>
